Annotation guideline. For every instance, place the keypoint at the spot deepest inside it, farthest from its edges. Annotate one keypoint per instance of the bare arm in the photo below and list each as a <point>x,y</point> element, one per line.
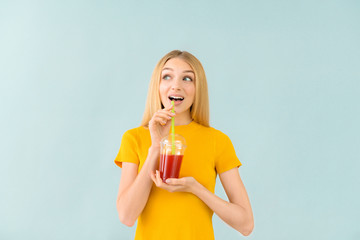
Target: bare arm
<point>134,188</point>
<point>237,212</point>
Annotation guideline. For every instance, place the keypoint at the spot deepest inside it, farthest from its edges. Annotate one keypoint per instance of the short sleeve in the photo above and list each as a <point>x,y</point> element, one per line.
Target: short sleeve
<point>226,158</point>
<point>128,151</point>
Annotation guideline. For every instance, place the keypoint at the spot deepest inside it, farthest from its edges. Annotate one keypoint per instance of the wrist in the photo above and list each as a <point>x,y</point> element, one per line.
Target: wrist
<point>154,149</point>
<point>196,188</point>
<point>152,159</point>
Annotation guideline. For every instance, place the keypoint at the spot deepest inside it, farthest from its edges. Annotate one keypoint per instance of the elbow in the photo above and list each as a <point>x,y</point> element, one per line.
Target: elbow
<point>124,217</point>
<point>247,228</point>
<point>247,231</point>
<point>126,221</point>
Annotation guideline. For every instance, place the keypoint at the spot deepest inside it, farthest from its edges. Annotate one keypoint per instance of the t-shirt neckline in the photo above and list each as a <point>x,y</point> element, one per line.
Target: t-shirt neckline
<point>185,125</point>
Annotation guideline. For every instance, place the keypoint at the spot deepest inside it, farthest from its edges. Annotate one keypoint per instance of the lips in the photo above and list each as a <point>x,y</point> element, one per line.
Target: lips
<point>176,98</point>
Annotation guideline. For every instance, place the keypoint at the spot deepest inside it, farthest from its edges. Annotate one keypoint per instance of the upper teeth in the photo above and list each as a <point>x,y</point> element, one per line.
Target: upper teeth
<point>176,98</point>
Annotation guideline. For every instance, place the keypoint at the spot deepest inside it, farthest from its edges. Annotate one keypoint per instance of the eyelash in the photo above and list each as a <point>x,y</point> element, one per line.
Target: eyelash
<point>165,76</point>
<point>190,79</point>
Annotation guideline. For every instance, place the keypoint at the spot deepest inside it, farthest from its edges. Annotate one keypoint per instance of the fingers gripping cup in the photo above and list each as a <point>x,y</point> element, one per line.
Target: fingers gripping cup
<point>172,148</point>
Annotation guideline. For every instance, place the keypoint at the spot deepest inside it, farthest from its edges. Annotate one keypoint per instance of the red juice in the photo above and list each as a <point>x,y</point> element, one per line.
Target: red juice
<point>170,166</point>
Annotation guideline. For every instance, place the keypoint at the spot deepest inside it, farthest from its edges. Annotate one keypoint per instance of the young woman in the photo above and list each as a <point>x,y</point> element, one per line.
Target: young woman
<point>180,208</point>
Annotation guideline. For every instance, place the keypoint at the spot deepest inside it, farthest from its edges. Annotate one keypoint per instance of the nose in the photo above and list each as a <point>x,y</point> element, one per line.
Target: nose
<point>176,84</point>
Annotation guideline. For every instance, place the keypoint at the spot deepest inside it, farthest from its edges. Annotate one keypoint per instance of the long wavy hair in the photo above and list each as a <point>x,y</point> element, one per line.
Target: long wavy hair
<point>199,111</point>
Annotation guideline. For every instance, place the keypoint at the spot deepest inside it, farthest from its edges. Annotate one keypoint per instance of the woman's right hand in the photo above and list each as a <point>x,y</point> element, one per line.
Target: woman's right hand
<point>159,125</point>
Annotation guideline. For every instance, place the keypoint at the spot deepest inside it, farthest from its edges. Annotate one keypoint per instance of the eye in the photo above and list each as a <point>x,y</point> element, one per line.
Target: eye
<point>188,79</point>
<point>166,77</point>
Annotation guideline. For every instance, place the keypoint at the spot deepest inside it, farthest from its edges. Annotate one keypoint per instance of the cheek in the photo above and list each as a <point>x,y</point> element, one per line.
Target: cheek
<point>162,90</point>
<point>191,92</point>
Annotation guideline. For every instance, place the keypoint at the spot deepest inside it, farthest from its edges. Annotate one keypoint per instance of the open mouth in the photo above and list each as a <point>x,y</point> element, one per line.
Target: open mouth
<point>176,98</point>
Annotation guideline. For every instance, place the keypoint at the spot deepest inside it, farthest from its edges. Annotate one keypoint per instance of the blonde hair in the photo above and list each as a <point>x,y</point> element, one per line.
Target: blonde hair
<point>199,111</point>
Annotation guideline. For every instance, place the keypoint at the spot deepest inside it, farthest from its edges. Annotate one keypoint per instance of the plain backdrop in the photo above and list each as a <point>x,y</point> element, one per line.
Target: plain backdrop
<point>283,83</point>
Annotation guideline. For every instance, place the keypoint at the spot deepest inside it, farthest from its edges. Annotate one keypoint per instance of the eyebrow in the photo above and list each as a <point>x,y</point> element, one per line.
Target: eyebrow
<point>186,71</point>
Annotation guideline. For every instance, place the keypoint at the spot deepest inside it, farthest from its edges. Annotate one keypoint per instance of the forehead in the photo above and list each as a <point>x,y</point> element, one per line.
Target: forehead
<point>177,64</point>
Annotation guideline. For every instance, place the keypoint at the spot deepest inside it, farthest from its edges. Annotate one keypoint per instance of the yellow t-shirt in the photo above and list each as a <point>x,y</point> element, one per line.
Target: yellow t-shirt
<point>183,216</point>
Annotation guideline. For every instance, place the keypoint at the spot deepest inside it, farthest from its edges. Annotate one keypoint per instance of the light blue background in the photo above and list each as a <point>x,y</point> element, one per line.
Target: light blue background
<point>284,85</point>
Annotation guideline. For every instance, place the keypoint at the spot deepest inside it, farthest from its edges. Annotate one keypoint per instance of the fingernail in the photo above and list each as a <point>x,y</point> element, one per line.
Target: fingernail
<point>168,181</point>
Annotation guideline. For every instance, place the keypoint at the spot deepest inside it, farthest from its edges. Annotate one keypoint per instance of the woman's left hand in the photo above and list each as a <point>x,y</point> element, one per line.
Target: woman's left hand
<point>185,184</point>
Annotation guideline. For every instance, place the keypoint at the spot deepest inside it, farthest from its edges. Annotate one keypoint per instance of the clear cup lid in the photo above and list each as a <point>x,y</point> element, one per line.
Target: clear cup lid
<point>179,140</point>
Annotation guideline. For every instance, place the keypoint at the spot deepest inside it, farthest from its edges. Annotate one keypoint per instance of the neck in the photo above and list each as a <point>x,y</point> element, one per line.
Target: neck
<point>183,118</point>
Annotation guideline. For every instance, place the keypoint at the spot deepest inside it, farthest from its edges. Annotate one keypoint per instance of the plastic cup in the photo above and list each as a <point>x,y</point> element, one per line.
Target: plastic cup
<point>172,148</point>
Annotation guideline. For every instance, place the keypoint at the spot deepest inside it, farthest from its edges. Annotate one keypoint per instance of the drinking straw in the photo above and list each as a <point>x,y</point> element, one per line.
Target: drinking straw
<point>173,129</point>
